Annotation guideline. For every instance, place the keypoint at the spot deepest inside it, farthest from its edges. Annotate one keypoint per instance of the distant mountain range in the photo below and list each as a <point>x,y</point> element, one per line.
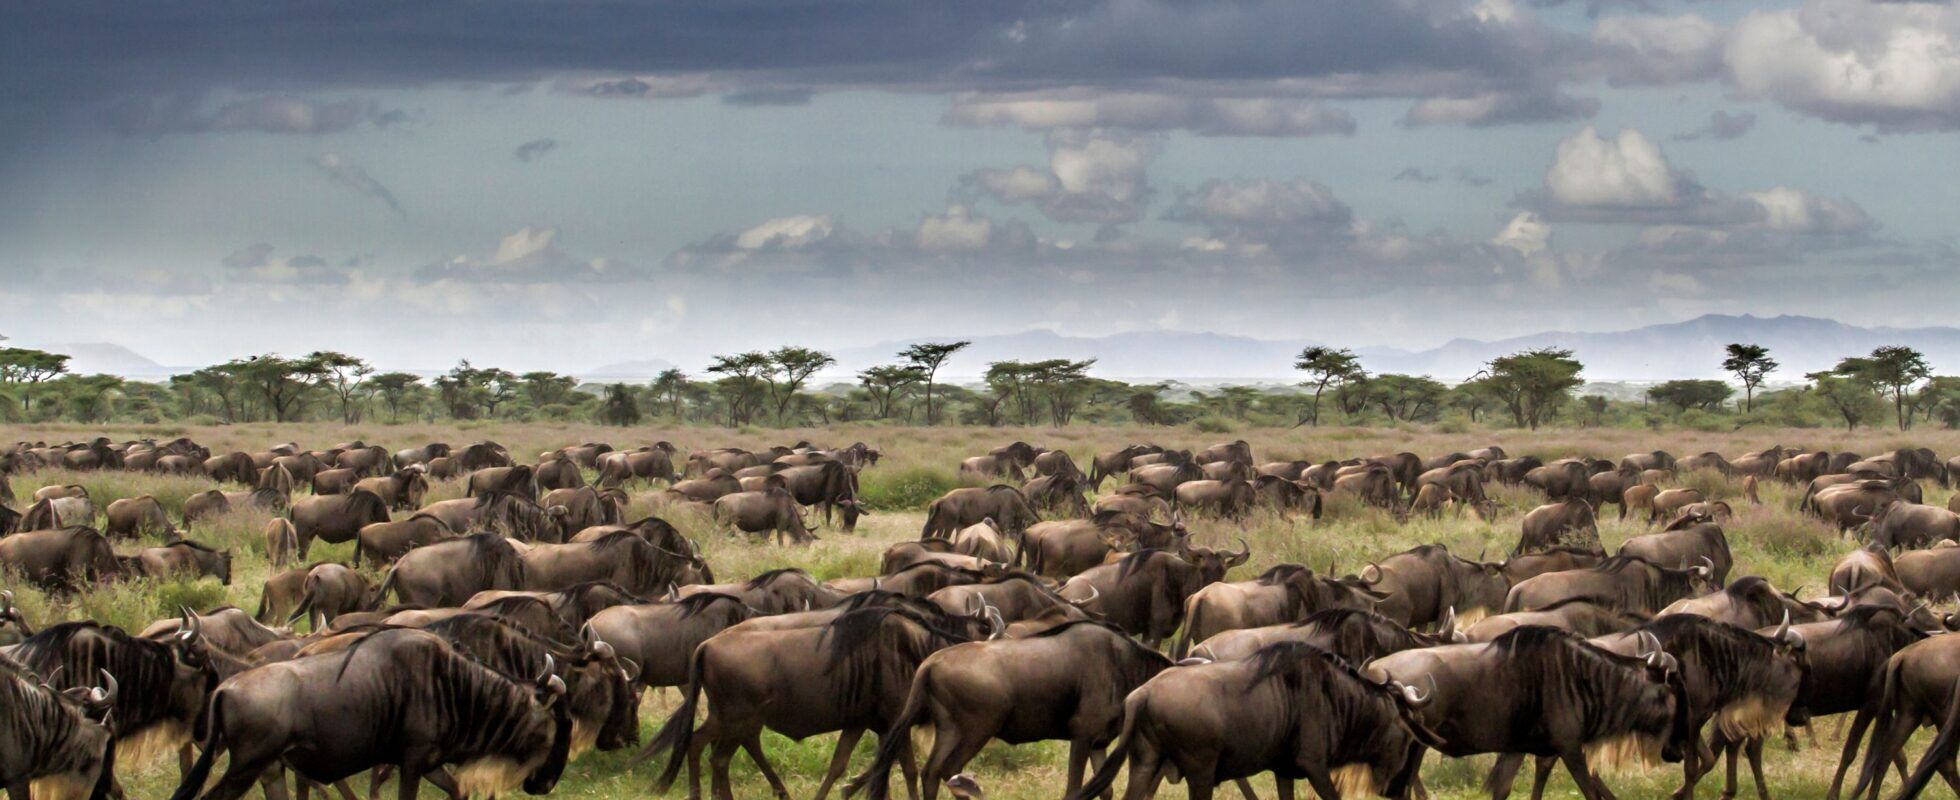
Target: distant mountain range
<point>1690,349</point>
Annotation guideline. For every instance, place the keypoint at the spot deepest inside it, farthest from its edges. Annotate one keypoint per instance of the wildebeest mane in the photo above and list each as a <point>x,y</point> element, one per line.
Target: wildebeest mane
<point>1136,561</point>
<point>1361,636</point>
<point>694,604</point>
<point>769,577</point>
<point>80,650</point>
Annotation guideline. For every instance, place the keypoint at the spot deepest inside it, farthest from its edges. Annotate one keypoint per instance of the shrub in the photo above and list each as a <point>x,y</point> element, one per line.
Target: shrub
<point>1212,425</point>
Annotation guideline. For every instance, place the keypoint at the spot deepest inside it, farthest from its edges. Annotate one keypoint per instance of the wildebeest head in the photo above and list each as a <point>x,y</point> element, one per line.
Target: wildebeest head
<point>1212,564</point>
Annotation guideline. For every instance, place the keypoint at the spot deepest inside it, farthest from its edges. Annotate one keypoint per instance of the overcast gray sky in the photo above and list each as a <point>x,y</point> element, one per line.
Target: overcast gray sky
<point>560,185</point>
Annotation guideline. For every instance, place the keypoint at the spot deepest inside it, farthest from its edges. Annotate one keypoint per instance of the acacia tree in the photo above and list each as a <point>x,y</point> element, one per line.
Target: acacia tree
<point>1009,381</point>
<point>1850,395</point>
<point>929,356</point>
<point>1533,382</point>
<point>670,387</point>
<point>546,388</point>
<point>790,368</point>
<point>742,386</point>
<point>27,367</point>
<point>283,383</point>
<point>1706,395</point>
<point>1063,383</point>
<point>886,384</point>
<point>394,387</point>
<point>1893,370</point>
<point>1324,366</point>
<point>341,374</point>
<point>1749,363</point>
<point>619,407</point>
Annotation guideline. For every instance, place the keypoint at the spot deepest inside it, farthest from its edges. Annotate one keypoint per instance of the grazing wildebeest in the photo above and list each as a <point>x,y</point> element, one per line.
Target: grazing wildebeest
<point>54,744</point>
<point>1546,692</point>
<point>414,703</point>
<point>182,558</point>
<point>1292,709</point>
<point>1067,682</point>
<point>1910,526</point>
<point>402,491</point>
<point>1579,615</point>
<point>778,591</point>
<point>331,590</point>
<point>1005,505</point>
<point>575,605</point>
<point>621,557</point>
<point>850,675</point>
<point>60,560</point>
<point>1285,593</point>
<point>132,517</point>
<point>1568,522</point>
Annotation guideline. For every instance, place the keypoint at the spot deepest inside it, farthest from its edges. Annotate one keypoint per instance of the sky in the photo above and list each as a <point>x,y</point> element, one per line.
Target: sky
<point>559,185</point>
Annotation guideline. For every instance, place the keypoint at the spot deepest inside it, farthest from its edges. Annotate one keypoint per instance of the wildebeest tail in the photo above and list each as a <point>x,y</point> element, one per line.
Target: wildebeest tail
<point>932,514</point>
<point>304,611</point>
<point>213,745</point>
<point>1193,622</point>
<point>1942,750</point>
<point>878,776</point>
<point>677,732</point>
<point>1118,753</point>
<point>387,585</point>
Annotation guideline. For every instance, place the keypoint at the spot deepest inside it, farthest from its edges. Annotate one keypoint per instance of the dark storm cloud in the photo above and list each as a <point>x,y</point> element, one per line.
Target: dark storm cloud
<point>105,50</point>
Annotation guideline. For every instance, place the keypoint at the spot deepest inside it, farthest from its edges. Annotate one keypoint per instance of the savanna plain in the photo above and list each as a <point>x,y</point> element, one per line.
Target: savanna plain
<point>1771,540</point>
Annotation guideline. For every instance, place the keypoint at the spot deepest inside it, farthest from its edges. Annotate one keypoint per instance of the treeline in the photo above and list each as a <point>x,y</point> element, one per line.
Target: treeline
<point>778,388</point>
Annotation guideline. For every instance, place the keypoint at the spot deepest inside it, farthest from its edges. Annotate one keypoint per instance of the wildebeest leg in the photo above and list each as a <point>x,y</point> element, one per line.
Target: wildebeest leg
<point>718,763</point>
<point>1951,777</point>
<point>1541,775</point>
<point>443,780</point>
<point>1245,788</point>
<point>1317,777</point>
<point>1199,786</point>
<point>273,783</point>
<point>1284,787</point>
<point>1756,768</point>
<point>951,752</point>
<point>17,789</point>
<point>1589,784</point>
<point>1890,740</point>
<point>1146,766</point>
<point>1860,722</point>
<point>753,744</point>
<point>411,784</point>
<point>1503,774</point>
<point>1079,751</point>
<point>377,778</point>
<point>908,767</point>
<point>840,758</point>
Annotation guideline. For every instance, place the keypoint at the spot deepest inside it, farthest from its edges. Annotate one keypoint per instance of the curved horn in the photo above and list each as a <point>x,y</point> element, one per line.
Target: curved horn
<point>996,624</point>
<point>104,696</point>
<point>550,668</point>
<point>1245,550</point>
<point>1378,574</point>
<point>875,580</point>
<point>1194,661</point>
<point>673,592</point>
<point>1783,630</point>
<point>1448,628</point>
<point>1093,594</point>
<point>1705,569</point>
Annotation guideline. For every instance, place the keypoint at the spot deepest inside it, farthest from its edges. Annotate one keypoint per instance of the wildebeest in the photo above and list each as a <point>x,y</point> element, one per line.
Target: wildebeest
<point>1067,682</point>
<point>415,703</point>
<point>450,572</point>
<point>136,516</point>
<point>1423,583</point>
<point>1623,583</point>
<point>772,509</point>
<point>1107,465</point>
<point>1145,592</point>
<point>402,490</point>
<point>1909,526</point>
<point>777,591</point>
<point>331,590</point>
<point>1285,593</point>
<point>1292,709</point>
<point>1351,632</point>
<point>1546,692</point>
<point>1569,522</point>
<point>164,684</point>
<point>182,558</point>
<point>383,542</point>
<point>660,637</point>
<point>1578,615</point>
<point>622,558</point>
<point>1689,541</point>
<point>335,518</point>
<point>850,675</point>
<point>1746,683</point>
<point>54,744</point>
<point>1058,494</point>
<point>1005,505</point>
<point>60,560</point>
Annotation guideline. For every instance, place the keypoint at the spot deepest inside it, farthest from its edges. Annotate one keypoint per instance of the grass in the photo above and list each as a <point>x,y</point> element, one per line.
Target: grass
<point>919,464</point>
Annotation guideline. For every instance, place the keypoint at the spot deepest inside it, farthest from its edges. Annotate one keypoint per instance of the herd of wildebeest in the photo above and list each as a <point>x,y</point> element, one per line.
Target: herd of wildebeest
<point>518,627</point>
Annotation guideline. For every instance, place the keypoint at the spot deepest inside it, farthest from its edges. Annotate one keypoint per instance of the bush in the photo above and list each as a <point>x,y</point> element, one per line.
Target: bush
<point>1212,425</point>
<point>903,489</point>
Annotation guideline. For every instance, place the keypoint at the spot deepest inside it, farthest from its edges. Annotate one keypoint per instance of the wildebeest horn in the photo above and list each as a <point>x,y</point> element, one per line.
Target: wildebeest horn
<point>1707,568</point>
<point>193,628</point>
<point>1194,661</point>
<point>1783,630</point>
<point>1449,623</point>
<point>976,605</point>
<point>104,696</point>
<point>1245,550</point>
<point>996,624</point>
<point>1648,650</point>
<point>673,591</point>
<point>1093,594</point>
<point>1378,574</point>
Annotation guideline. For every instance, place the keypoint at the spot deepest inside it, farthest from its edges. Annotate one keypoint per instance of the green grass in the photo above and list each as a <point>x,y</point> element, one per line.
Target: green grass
<point>1769,540</point>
